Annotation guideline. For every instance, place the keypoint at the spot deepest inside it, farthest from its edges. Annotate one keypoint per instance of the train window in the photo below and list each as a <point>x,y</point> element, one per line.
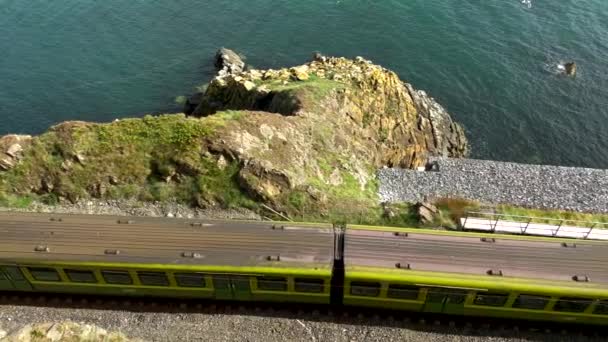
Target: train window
<point>569,304</point>
<point>491,299</point>
<point>272,283</point>
<point>402,291</point>
<point>362,288</point>
<point>153,278</point>
<point>13,273</point>
<point>79,276</point>
<point>601,308</point>
<point>309,285</point>
<point>44,274</point>
<point>531,302</point>
<point>190,279</point>
<point>117,277</point>
<point>451,296</point>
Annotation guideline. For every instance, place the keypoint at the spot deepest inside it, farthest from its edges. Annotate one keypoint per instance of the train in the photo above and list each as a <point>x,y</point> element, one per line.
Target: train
<point>403,269</point>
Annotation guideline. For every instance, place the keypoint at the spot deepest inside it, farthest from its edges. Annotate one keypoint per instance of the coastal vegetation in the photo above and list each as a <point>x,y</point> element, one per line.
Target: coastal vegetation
<point>453,209</point>
<point>301,143</point>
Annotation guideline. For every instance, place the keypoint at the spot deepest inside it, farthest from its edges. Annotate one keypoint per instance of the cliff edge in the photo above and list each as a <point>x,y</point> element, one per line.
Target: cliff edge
<point>305,139</point>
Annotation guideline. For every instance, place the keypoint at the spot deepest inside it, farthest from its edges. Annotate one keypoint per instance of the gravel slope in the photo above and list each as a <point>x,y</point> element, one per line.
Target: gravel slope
<point>251,326</point>
<point>538,186</point>
<point>136,208</point>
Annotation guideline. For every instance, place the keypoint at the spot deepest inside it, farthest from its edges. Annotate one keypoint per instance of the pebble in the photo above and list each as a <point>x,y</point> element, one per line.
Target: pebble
<point>492,182</point>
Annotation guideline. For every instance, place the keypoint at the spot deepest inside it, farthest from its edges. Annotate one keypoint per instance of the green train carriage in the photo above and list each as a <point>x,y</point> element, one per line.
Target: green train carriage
<point>403,269</point>
<point>254,261</point>
<point>477,274</point>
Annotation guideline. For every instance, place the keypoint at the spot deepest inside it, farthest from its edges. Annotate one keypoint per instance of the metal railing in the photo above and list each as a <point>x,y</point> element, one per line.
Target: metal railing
<point>531,225</point>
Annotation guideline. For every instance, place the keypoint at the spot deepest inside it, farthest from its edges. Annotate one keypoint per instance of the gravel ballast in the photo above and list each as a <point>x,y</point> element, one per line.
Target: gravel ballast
<point>251,326</point>
<point>491,182</point>
<point>130,207</point>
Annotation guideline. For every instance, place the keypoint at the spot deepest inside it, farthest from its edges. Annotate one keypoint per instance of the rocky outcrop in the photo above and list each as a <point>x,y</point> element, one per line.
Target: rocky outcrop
<point>305,138</point>
<point>11,148</point>
<point>350,114</point>
<point>64,331</point>
<point>448,137</point>
<point>228,62</point>
<point>405,123</point>
<point>426,212</point>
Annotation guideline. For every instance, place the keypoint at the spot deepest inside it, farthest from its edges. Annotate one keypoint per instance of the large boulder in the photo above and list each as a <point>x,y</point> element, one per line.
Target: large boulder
<point>426,212</point>
<point>228,61</point>
<point>11,148</point>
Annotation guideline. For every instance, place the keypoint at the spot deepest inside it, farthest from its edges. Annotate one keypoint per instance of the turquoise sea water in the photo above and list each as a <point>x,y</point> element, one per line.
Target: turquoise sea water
<point>491,63</point>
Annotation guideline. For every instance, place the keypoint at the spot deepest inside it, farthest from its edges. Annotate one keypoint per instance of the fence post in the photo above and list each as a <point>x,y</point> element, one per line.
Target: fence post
<point>495,224</point>
<point>526,227</point>
<point>589,232</point>
<point>466,217</point>
<point>558,227</point>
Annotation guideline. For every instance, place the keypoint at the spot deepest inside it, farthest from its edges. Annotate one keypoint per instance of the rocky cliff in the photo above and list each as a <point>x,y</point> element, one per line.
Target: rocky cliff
<point>303,139</point>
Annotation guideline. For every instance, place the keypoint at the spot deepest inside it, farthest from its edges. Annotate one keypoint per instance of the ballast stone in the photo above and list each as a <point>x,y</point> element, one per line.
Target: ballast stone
<point>492,182</point>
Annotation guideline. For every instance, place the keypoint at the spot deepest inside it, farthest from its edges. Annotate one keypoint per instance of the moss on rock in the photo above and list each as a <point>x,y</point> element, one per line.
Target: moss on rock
<point>153,158</point>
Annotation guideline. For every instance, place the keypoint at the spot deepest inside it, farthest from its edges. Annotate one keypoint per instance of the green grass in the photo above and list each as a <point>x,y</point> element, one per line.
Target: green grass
<point>16,201</point>
<point>136,154</point>
<point>228,115</point>
<point>549,216</point>
<point>343,203</point>
<point>174,131</point>
<point>349,211</point>
<point>223,186</point>
<point>212,187</point>
<point>452,209</point>
<point>314,88</point>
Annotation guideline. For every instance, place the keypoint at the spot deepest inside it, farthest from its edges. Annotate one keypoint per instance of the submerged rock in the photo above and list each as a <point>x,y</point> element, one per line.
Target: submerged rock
<point>570,68</point>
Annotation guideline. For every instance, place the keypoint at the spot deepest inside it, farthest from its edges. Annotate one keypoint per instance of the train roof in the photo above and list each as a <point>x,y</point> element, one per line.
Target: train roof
<point>539,259</point>
<point>95,238</point>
